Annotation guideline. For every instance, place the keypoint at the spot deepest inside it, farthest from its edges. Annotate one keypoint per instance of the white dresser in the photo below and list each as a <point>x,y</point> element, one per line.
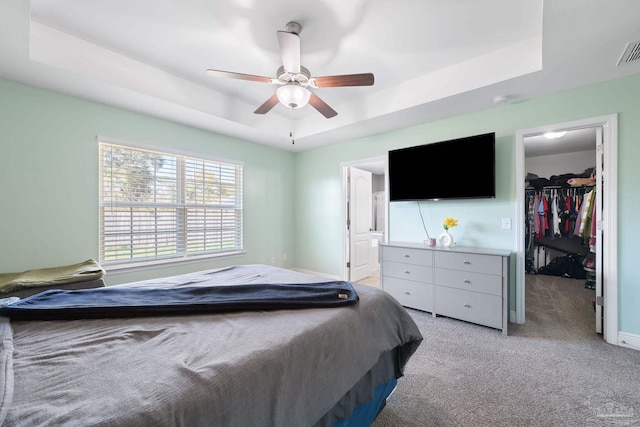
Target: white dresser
<point>469,284</point>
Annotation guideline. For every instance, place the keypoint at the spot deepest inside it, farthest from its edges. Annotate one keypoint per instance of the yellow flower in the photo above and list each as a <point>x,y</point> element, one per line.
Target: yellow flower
<point>449,223</point>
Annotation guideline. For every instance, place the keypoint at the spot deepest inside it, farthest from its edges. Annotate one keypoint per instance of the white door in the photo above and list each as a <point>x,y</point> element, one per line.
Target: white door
<point>599,189</point>
<point>359,224</point>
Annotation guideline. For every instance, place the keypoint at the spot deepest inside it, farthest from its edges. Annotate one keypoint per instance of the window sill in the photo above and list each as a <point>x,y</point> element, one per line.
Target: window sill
<point>113,269</point>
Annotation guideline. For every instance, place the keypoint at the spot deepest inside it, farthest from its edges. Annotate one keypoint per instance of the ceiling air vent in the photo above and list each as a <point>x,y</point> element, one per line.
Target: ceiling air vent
<point>631,53</point>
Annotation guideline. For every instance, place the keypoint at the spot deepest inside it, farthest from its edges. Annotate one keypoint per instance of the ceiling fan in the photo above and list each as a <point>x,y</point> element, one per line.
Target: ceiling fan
<point>294,79</point>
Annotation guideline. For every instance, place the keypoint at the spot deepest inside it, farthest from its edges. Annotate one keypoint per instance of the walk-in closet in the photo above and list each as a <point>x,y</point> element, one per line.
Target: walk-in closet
<point>561,214</point>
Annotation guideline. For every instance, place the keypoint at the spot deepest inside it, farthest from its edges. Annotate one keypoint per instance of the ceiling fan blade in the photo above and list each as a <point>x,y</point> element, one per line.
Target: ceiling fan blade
<point>239,76</point>
<point>290,51</point>
<point>365,79</point>
<point>322,106</point>
<point>267,105</point>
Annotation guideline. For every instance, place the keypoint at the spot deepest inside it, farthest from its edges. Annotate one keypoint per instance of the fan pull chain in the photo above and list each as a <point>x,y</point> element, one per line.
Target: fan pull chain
<point>291,112</point>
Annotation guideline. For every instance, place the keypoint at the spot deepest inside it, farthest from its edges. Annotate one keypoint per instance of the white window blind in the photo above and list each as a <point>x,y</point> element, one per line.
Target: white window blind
<point>157,205</point>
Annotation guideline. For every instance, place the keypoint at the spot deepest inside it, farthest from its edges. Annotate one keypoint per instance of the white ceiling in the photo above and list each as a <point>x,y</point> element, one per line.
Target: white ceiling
<point>431,58</point>
<point>572,141</point>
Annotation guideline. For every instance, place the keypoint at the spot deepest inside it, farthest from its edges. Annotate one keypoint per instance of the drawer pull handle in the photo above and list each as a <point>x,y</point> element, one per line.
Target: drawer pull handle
<point>466,305</point>
<point>407,293</point>
<point>406,272</point>
<point>467,281</point>
<point>407,256</point>
<point>466,262</point>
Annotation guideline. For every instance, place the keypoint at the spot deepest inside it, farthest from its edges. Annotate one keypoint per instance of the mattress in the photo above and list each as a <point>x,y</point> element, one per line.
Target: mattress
<point>301,367</point>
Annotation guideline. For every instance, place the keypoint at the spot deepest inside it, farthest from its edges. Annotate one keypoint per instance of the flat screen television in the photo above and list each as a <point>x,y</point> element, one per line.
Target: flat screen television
<point>463,168</point>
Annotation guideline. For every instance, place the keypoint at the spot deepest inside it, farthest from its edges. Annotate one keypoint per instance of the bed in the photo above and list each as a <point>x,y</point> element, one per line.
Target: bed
<point>328,366</point>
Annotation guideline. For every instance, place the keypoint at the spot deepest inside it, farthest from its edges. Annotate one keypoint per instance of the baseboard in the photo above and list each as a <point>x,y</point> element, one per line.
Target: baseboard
<point>315,273</point>
<point>512,316</point>
<point>629,340</point>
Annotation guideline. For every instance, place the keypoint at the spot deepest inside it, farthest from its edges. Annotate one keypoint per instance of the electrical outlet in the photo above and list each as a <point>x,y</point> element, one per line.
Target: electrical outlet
<point>273,260</point>
<point>284,257</point>
<point>506,223</point>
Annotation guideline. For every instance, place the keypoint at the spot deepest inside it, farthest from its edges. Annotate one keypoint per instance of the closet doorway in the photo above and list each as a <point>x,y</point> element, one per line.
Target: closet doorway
<point>365,219</point>
<point>554,241</point>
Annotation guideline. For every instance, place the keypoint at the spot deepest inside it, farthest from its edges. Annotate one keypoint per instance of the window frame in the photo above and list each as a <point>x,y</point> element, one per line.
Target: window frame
<point>182,255</point>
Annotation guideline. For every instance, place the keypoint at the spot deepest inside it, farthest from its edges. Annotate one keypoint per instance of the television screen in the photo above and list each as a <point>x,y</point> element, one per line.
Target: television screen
<point>460,168</point>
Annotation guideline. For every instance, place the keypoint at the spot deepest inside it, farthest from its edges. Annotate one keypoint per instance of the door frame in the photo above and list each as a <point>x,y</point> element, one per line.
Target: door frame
<point>361,164</point>
<point>609,227</point>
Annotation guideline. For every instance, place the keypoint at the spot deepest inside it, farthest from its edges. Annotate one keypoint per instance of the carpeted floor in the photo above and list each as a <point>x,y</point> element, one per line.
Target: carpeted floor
<point>552,371</point>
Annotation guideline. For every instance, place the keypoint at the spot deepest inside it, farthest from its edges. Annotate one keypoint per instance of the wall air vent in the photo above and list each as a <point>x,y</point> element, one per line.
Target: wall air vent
<point>631,53</point>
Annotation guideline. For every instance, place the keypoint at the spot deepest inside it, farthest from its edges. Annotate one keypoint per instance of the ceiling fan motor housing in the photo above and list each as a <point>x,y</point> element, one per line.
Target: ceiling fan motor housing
<point>302,77</point>
<point>294,27</point>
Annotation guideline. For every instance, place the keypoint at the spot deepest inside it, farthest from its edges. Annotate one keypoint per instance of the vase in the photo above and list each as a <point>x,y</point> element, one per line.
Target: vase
<point>446,239</point>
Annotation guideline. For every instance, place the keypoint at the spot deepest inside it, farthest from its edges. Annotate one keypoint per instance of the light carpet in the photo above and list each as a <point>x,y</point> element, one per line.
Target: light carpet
<point>554,370</point>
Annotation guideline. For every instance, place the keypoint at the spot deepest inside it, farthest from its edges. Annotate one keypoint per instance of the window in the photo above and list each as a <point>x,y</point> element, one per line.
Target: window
<point>156,206</point>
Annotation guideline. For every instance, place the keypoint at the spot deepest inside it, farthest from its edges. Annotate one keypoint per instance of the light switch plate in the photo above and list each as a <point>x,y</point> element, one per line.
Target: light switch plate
<point>506,223</point>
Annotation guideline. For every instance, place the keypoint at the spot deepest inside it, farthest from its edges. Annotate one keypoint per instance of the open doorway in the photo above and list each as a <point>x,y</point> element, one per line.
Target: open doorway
<point>561,240</point>
<point>365,219</point>
<point>602,133</point>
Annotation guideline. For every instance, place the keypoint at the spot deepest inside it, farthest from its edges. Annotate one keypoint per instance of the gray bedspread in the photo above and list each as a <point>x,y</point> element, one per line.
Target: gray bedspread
<point>255,368</point>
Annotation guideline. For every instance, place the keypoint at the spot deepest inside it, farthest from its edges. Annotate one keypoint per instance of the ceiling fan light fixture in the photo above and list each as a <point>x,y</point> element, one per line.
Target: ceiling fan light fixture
<point>293,96</point>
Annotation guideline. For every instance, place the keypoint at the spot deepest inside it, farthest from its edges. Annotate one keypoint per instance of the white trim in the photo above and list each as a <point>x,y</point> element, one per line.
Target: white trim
<point>629,340</point>
<point>113,269</point>
<point>345,271</point>
<point>343,209</point>
<point>610,229</point>
<point>610,224</point>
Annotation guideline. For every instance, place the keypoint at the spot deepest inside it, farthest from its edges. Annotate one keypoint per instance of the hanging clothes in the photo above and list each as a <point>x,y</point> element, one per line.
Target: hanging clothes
<point>590,234</point>
<point>537,221</point>
<point>555,214</point>
<point>558,212</point>
<point>560,219</point>
<point>567,213</point>
<point>587,216</point>
<point>582,215</point>
<point>545,214</point>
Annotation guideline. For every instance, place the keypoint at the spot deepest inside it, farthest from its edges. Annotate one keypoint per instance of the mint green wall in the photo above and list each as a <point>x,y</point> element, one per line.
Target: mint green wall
<point>319,227</point>
<point>49,181</point>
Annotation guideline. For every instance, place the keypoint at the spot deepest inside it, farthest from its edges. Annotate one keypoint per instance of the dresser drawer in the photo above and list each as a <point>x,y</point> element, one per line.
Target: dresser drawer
<point>469,281</point>
<point>486,264</point>
<point>413,272</point>
<point>410,294</point>
<point>470,306</point>
<point>407,255</point>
